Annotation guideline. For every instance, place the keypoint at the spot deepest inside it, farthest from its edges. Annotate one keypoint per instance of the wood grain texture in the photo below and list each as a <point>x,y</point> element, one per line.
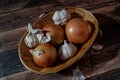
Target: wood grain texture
<point>9,39</point>
<point>12,7</point>
<point>27,75</point>
<point>12,26</point>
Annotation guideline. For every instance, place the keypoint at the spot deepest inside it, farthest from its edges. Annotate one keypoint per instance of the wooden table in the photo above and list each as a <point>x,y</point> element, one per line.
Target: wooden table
<point>95,65</point>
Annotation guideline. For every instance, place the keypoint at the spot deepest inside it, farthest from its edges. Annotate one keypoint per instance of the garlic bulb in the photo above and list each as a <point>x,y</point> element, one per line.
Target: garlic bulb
<point>30,41</point>
<point>67,50</point>
<point>61,17</point>
<point>35,37</point>
<point>78,75</point>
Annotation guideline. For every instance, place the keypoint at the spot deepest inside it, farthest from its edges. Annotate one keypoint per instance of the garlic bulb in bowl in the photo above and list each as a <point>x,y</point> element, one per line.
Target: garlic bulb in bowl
<point>61,17</point>
<point>35,37</point>
<point>67,50</point>
<point>56,32</point>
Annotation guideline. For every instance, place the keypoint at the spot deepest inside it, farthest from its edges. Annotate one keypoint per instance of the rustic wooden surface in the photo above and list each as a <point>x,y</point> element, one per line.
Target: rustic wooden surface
<point>95,65</point>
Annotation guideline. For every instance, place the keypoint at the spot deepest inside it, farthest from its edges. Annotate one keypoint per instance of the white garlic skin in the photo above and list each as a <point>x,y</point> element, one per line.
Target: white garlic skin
<point>67,50</point>
<point>30,41</point>
<point>61,17</point>
<point>36,52</point>
<point>35,37</point>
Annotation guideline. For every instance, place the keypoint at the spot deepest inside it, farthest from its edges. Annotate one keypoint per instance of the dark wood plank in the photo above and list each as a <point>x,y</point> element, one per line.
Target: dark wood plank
<point>110,75</point>
<point>9,60</point>
<point>10,63</point>
<point>27,75</point>
<point>6,7</point>
<point>9,40</point>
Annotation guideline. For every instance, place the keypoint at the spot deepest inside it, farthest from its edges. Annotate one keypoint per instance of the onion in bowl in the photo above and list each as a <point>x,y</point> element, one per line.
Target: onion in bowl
<point>44,55</point>
<point>56,32</point>
<point>77,30</point>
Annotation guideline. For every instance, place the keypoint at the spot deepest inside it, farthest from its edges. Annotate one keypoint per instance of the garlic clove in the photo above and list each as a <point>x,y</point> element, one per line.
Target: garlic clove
<point>66,17</point>
<point>97,46</point>
<point>67,14</point>
<point>67,50</point>
<point>43,38</point>
<point>40,37</point>
<point>31,30</point>
<point>47,38</point>
<point>56,18</point>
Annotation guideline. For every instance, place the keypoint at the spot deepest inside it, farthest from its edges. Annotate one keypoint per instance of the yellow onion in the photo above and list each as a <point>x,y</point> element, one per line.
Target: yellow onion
<point>56,32</point>
<point>77,30</point>
<point>44,55</point>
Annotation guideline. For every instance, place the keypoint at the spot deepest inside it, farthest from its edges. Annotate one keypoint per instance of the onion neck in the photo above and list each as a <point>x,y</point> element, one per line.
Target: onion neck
<point>36,52</point>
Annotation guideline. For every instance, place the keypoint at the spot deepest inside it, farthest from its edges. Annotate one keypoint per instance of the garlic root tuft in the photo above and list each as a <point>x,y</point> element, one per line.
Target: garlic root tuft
<point>36,52</point>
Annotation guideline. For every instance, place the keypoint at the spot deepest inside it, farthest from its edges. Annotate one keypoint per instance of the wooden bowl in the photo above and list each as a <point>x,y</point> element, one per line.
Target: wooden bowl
<point>26,57</point>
